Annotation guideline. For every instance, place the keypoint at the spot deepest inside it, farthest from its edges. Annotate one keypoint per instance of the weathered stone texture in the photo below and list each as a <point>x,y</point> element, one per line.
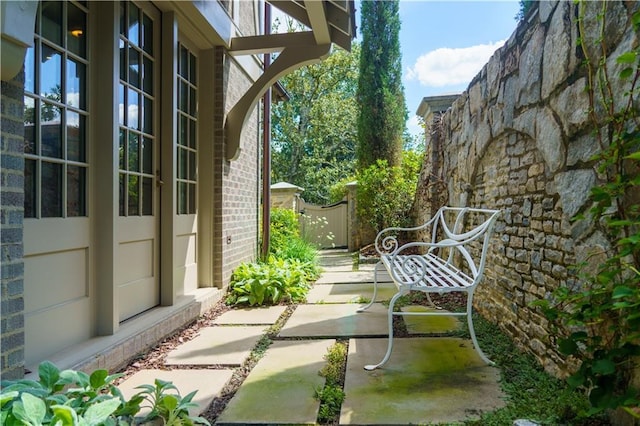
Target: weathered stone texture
<point>520,140</point>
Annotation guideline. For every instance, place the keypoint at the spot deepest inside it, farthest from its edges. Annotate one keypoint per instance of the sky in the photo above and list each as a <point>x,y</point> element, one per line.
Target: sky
<point>445,44</point>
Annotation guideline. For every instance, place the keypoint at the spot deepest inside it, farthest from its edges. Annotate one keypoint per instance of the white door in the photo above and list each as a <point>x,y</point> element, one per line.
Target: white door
<point>137,268</point>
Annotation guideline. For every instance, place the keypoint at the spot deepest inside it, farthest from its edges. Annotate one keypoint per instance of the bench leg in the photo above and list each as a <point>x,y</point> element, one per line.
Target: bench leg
<point>375,288</point>
<point>473,332</point>
<point>390,341</point>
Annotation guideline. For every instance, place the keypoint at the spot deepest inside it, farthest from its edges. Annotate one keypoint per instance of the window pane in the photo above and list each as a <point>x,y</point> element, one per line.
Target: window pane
<point>77,30</point>
<point>133,106</point>
<point>182,163</point>
<point>147,196</point>
<point>183,63</point>
<point>76,191</point>
<point>133,157</point>
<point>123,18</point>
<point>147,115</point>
<point>121,104</point>
<point>147,155</point>
<point>75,136</point>
<point>182,197</point>
<point>122,47</point>
<point>192,101</point>
<point>133,192</point>
<point>192,69</point>
<point>147,34</point>
<point>192,134</point>
<point>30,194</point>
<point>51,74</point>
<point>30,70</point>
<point>192,198</point>
<point>29,125</point>
<point>147,75</point>
<point>75,95</point>
<point>123,193</point>
<point>134,24</point>
<point>51,21</point>
<point>192,165</point>
<point>122,149</point>
<point>182,96</point>
<point>134,67</point>
<point>51,188</point>
<point>182,130</point>
<point>50,130</point>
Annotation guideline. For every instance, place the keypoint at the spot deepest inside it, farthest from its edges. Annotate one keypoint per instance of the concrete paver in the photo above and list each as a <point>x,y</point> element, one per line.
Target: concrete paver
<point>208,383</point>
<point>336,320</point>
<point>268,315</point>
<point>228,345</point>
<point>428,380</point>
<point>429,324</point>
<point>349,293</point>
<point>352,277</point>
<point>280,388</point>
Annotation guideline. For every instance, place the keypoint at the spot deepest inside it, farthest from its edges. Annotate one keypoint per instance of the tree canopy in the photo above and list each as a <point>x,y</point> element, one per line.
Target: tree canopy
<point>315,132</point>
<point>382,110</point>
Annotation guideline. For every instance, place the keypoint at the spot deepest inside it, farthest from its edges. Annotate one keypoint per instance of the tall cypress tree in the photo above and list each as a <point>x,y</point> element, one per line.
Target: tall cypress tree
<point>383,114</point>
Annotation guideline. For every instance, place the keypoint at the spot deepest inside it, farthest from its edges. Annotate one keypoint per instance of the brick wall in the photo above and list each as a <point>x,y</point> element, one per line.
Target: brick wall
<point>11,217</point>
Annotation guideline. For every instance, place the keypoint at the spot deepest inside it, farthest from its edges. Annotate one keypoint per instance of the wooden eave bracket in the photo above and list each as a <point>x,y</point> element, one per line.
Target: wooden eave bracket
<point>289,60</point>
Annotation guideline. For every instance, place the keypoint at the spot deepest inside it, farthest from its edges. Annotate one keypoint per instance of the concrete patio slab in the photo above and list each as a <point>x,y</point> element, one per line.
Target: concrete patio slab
<point>208,383</point>
<point>280,388</point>
<point>349,293</point>
<point>429,324</point>
<point>268,315</point>
<point>427,381</point>
<point>333,320</point>
<point>227,345</point>
<point>351,277</point>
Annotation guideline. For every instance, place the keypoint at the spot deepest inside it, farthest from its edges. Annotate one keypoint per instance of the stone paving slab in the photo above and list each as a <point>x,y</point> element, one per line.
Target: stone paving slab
<point>208,383</point>
<point>429,324</point>
<point>268,315</point>
<point>349,293</point>
<point>227,345</point>
<point>427,380</point>
<point>352,277</point>
<point>336,320</point>
<point>280,388</point>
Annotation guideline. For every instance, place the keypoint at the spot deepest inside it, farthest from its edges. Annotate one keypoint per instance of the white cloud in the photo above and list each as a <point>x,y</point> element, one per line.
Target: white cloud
<point>448,66</point>
<point>413,125</point>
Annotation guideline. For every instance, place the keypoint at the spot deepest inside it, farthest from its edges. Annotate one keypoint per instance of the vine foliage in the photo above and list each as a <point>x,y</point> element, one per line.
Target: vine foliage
<point>598,321</point>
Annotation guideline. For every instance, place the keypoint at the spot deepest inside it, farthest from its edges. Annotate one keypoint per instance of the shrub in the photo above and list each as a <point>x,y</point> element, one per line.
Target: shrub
<point>65,398</point>
<point>284,227</point>
<point>278,280</point>
<point>385,194</point>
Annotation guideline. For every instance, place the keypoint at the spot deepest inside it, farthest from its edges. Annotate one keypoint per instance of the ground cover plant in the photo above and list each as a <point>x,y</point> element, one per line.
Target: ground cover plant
<point>286,276</point>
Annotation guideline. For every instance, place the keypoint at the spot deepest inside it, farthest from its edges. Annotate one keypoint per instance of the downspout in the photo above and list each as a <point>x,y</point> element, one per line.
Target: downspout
<point>266,148</point>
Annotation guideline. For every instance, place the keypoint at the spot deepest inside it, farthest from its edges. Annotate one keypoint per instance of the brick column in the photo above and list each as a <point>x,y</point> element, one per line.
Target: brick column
<point>11,222</point>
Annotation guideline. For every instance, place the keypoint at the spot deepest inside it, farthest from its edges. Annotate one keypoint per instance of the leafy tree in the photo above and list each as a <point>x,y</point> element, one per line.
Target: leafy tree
<point>383,113</point>
<point>314,132</point>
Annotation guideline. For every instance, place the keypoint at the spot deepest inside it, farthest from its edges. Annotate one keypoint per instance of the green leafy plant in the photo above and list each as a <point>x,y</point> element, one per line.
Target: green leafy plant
<point>74,398</point>
<point>598,322</point>
<point>385,194</point>
<point>166,403</point>
<point>278,280</point>
<point>331,394</point>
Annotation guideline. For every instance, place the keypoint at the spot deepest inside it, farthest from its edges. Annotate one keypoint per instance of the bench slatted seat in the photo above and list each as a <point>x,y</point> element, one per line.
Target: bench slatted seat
<point>452,261</point>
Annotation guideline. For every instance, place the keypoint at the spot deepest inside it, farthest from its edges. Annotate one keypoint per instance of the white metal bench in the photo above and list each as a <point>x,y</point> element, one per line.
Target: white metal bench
<point>452,261</point>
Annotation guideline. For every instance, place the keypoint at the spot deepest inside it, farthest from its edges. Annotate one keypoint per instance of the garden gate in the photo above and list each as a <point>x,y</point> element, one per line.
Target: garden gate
<point>325,226</point>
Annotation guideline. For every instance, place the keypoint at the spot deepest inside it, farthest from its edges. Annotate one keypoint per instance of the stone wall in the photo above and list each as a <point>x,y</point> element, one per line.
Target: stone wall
<point>520,139</point>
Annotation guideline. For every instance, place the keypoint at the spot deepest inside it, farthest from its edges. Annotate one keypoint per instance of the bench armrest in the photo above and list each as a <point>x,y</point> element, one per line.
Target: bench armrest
<point>387,240</point>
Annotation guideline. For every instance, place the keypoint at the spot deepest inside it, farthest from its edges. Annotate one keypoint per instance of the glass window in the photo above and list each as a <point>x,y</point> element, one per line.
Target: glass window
<point>136,108</point>
<point>55,113</point>
<point>187,152</point>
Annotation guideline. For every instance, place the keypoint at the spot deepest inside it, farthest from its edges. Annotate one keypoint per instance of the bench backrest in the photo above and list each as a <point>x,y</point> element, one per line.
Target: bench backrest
<point>454,231</point>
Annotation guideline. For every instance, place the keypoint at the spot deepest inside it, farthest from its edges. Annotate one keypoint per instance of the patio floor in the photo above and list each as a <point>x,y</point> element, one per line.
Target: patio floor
<point>428,380</point>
